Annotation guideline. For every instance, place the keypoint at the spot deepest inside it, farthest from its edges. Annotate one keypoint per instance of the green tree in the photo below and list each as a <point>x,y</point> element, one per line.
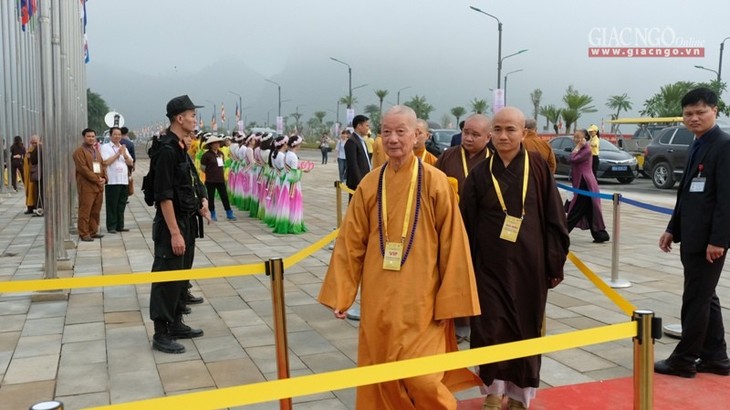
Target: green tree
<point>668,101</point>
<point>97,109</point>
<point>570,117</point>
<point>319,115</point>
<point>381,94</point>
<point>373,112</point>
<point>297,116</point>
<point>347,102</point>
<point>536,97</point>
<point>552,116</point>
<point>420,106</point>
<point>576,105</point>
<point>619,103</point>
<point>458,112</point>
<point>479,106</point>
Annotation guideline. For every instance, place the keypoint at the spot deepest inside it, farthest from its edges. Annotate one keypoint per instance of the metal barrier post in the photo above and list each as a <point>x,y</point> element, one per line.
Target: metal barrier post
<point>339,203</point>
<point>615,281</point>
<point>275,269</point>
<point>649,328</point>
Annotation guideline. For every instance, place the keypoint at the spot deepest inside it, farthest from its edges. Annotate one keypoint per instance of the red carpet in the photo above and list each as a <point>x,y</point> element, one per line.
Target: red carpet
<point>703,392</point>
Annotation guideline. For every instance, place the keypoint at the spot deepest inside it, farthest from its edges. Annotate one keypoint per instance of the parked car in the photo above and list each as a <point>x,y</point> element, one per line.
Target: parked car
<point>666,155</point>
<point>613,163</point>
<point>439,140</point>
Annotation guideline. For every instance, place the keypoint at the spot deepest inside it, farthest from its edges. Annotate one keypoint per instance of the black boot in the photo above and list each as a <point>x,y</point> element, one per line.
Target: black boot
<point>162,340</point>
<point>182,331</point>
<point>191,299</point>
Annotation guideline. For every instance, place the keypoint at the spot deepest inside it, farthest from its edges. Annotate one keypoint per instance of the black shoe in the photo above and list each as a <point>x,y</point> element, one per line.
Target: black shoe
<point>28,212</point>
<point>180,330</point>
<point>187,310</point>
<point>165,343</point>
<point>191,299</point>
<point>111,231</point>
<point>86,239</point>
<point>666,367</point>
<point>97,236</point>
<point>122,230</point>
<point>721,367</point>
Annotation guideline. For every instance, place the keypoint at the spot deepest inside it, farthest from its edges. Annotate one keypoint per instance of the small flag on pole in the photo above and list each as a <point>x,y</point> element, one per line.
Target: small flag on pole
<point>223,113</point>
<point>238,113</point>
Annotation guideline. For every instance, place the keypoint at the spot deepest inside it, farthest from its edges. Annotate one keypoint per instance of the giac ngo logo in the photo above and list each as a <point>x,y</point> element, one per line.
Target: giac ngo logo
<point>631,42</point>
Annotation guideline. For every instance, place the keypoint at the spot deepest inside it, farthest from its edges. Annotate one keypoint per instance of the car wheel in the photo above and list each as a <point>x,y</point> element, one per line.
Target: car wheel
<point>626,180</point>
<point>662,176</point>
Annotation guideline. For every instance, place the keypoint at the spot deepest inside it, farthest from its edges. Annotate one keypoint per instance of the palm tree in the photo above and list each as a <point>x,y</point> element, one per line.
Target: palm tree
<point>347,102</point>
<point>479,106</point>
<point>570,117</point>
<point>319,115</point>
<point>420,106</point>
<point>373,112</point>
<point>297,116</point>
<point>618,103</point>
<point>667,102</point>
<point>458,112</point>
<point>578,103</point>
<point>536,97</point>
<point>552,115</point>
<point>381,94</point>
<point>96,110</point>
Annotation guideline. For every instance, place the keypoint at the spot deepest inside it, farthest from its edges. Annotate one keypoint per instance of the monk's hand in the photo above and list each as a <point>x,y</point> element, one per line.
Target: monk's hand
<point>340,314</point>
<point>714,252</point>
<point>665,242</point>
<point>553,282</point>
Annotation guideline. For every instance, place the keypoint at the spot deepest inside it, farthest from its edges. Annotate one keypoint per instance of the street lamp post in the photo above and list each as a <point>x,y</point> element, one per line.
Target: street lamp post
<point>722,48</point>
<point>708,69</point>
<point>349,74</point>
<point>279,87</point>
<point>397,101</point>
<point>524,50</point>
<point>505,83</point>
<point>499,47</point>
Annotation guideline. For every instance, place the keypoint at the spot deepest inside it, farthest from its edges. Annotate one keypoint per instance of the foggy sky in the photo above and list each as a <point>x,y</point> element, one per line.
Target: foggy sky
<point>145,52</point>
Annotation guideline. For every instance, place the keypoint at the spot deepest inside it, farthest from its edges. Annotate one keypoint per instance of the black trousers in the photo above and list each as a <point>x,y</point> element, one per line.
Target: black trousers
<point>583,207</point>
<point>703,334</point>
<point>15,168</point>
<point>325,154</point>
<point>116,204</point>
<point>167,299</point>
<point>212,187</point>
<point>595,165</point>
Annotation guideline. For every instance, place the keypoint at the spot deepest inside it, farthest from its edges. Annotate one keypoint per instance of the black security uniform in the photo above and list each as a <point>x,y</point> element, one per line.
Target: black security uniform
<point>175,179</point>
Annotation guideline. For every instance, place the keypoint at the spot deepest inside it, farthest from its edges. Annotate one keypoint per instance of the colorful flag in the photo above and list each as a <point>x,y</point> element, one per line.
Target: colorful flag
<point>213,125</point>
<point>238,113</point>
<point>26,11</point>
<point>223,113</point>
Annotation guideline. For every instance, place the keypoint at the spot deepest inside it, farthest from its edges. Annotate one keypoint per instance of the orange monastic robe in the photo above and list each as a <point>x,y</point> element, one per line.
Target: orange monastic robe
<point>379,156</point>
<point>426,157</point>
<point>405,314</point>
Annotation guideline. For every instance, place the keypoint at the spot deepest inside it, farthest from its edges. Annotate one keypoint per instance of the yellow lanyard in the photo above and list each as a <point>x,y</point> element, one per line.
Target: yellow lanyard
<point>463,160</point>
<point>498,190</point>
<point>409,204</point>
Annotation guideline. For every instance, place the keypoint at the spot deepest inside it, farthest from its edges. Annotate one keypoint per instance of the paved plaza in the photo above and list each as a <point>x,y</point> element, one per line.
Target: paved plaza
<point>94,348</point>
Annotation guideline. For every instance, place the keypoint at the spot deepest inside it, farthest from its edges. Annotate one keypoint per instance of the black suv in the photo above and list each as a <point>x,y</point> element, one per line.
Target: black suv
<point>666,155</point>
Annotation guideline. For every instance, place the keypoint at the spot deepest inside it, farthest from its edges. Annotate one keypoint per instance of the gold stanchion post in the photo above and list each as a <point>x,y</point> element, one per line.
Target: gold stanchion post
<point>339,203</point>
<point>649,328</point>
<point>275,269</point>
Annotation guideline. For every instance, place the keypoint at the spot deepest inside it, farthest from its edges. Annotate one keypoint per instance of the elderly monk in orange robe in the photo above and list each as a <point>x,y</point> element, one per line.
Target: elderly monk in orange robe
<point>403,241</point>
<point>533,143</point>
<point>420,148</point>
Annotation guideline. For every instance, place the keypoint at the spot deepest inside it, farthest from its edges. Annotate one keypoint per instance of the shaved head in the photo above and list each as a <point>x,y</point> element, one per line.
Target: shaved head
<point>421,134</point>
<point>508,130</point>
<point>475,134</point>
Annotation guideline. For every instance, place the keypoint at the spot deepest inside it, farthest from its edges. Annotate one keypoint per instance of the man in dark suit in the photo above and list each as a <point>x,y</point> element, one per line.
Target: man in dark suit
<point>701,222</point>
<point>356,152</point>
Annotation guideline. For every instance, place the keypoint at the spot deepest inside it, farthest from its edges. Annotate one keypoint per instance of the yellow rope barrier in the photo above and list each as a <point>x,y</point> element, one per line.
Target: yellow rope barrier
<point>627,307</point>
<point>346,189</point>
<point>342,379</point>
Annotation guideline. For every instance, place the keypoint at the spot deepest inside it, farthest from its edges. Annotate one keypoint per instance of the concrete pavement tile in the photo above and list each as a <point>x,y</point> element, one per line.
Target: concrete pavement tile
<point>312,312</point>
<point>238,318</point>
<point>128,336</point>
<point>83,315</point>
<point>333,329</point>
<point>555,373</point>
<point>86,299</point>
<point>327,362</point>
<point>14,307</point>
<point>130,359</point>
<point>43,310</point>
<point>327,404</point>
<point>29,346</point>
<point>234,372</point>
<point>82,401</point>
<point>84,332</point>
<point>133,317</point>
<point>581,360</point>
<point>134,385</point>
<point>185,376</point>
<point>191,353</point>
<point>22,396</point>
<point>219,290</point>
<point>308,343</point>
<point>348,346</point>
<point>119,291</point>
<point>271,405</point>
<point>312,289</point>
<point>264,307</point>
<point>89,352</point>
<point>606,316</point>
<point>4,362</point>
<point>295,298</point>
<point>228,303</point>
<point>49,326</point>
<point>250,336</point>
<point>212,328</point>
<point>118,304</point>
<point>257,293</point>
<point>616,372</point>
<point>8,340</point>
<point>31,369</point>
<point>265,359</point>
<point>214,349</point>
<point>81,378</point>
<point>293,323</point>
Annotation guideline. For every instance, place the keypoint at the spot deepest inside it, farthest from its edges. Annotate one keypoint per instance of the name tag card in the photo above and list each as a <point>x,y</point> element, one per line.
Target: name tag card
<point>511,228</point>
<point>697,185</point>
<point>220,161</point>
<point>393,256</point>
<point>96,167</point>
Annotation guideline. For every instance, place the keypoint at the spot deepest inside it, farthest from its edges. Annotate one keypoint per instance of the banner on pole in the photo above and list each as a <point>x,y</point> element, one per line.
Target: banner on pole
<point>497,100</point>
<point>279,124</point>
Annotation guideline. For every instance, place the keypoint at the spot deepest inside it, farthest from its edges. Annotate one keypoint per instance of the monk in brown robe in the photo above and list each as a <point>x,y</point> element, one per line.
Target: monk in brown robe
<point>420,148</point>
<point>532,142</point>
<point>519,242</point>
<point>90,182</point>
<point>412,283</point>
<point>457,162</point>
